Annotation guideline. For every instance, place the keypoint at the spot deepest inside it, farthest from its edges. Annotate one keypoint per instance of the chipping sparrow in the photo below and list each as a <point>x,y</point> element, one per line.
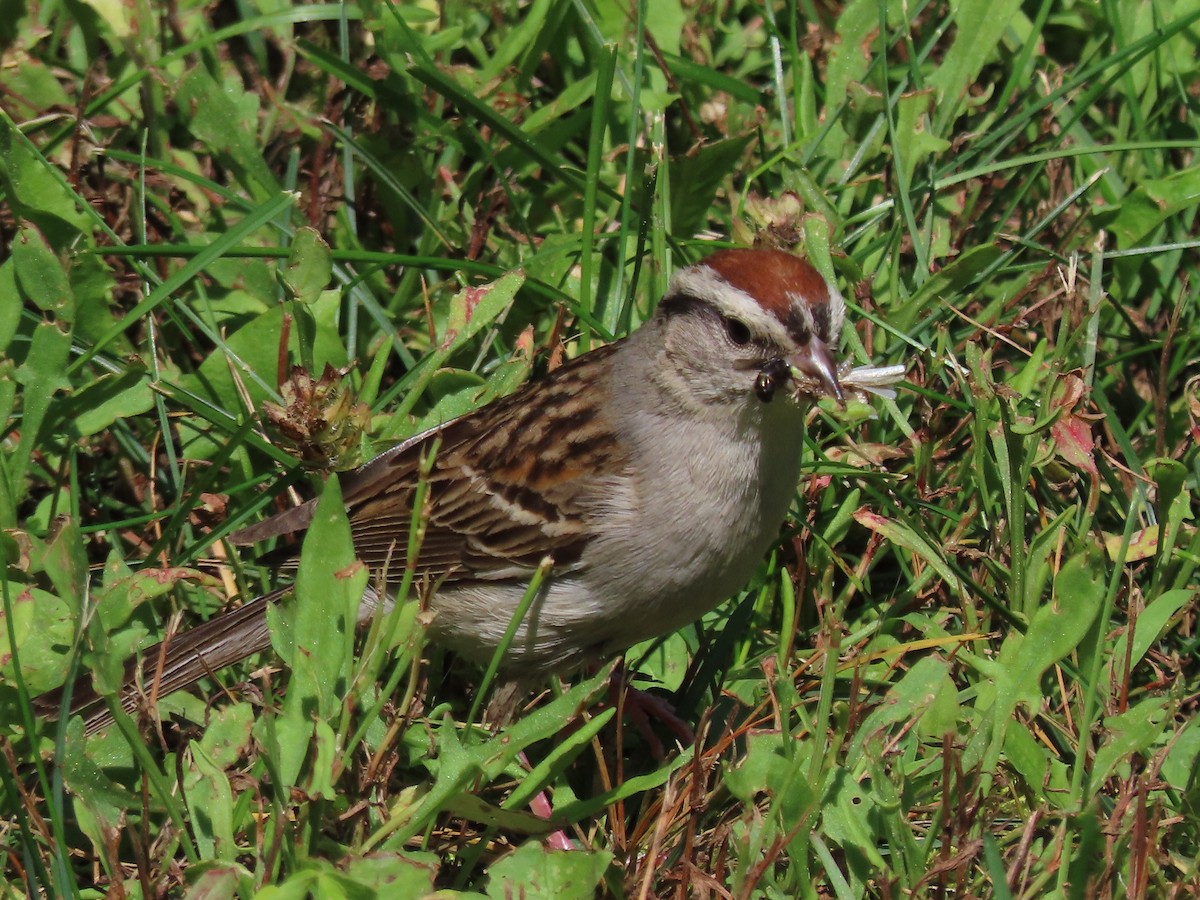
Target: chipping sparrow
<point>655,472</point>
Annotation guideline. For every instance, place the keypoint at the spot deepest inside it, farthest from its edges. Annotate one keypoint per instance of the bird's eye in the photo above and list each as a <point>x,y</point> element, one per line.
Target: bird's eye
<point>737,331</point>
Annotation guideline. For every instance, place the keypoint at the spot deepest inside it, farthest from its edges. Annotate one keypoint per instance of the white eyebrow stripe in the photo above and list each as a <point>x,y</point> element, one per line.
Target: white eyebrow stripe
<point>837,315</point>
<point>703,283</point>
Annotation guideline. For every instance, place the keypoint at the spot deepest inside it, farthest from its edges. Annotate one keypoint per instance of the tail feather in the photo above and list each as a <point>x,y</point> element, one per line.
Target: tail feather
<point>176,663</point>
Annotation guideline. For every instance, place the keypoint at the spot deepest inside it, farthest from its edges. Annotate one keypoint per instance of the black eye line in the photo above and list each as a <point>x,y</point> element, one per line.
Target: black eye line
<point>686,304</point>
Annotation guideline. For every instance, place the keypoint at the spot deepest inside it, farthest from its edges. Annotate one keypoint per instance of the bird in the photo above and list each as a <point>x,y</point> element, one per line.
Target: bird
<point>646,479</point>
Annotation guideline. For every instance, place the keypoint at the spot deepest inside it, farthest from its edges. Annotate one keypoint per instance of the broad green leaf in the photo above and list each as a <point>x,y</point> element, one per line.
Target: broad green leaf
<point>217,881</point>
<point>41,277</point>
<point>459,766</point>
<point>324,758</point>
<point>904,536</point>
<point>35,190</point>
<point>1182,762</point>
<point>849,59</point>
<point>44,625</point>
<point>210,804</point>
<point>1044,774</point>
<point>766,767</point>
<point>227,734</point>
<point>96,793</point>
<point>471,310</point>
<point>31,86</point>
<point>1154,202</point>
<point>1148,628</point>
<point>92,283</point>
<point>117,17</point>
<point>10,313</point>
<point>914,142</point>
<point>979,26</point>
<point>549,771</point>
<point>1057,627</point>
<point>329,586</point>
<point>1040,557</point>
<point>400,875</point>
<point>43,374</point>
<point>122,589</point>
<point>109,398</point>
<point>847,814</point>
<point>1131,733</point>
<point>513,818</point>
<point>1030,374</point>
<point>908,699</point>
<point>662,662</point>
<point>699,175</point>
<point>534,870</point>
<point>251,285</point>
<point>66,564</point>
<point>225,117</point>
<point>1055,630</point>
<point>299,885</point>
<point>309,267</point>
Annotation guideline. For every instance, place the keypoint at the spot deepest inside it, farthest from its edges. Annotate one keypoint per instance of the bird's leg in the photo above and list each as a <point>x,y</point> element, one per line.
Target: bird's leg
<point>643,707</point>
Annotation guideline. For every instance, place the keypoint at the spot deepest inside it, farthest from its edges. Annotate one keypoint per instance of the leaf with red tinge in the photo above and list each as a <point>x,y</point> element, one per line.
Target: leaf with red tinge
<point>1143,544</point>
<point>1073,442</point>
<point>903,536</point>
<point>474,308</point>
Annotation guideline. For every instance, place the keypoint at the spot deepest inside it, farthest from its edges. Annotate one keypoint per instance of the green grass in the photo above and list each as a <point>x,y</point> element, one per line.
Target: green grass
<point>971,665</point>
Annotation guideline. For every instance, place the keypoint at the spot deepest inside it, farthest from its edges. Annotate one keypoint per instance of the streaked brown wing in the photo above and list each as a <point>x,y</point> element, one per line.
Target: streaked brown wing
<point>498,504</point>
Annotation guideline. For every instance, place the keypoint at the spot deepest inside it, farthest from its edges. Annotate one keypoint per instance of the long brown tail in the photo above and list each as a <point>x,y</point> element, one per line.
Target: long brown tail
<point>175,663</point>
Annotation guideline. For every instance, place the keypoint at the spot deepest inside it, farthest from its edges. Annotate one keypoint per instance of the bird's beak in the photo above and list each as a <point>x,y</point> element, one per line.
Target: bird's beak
<point>815,363</point>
